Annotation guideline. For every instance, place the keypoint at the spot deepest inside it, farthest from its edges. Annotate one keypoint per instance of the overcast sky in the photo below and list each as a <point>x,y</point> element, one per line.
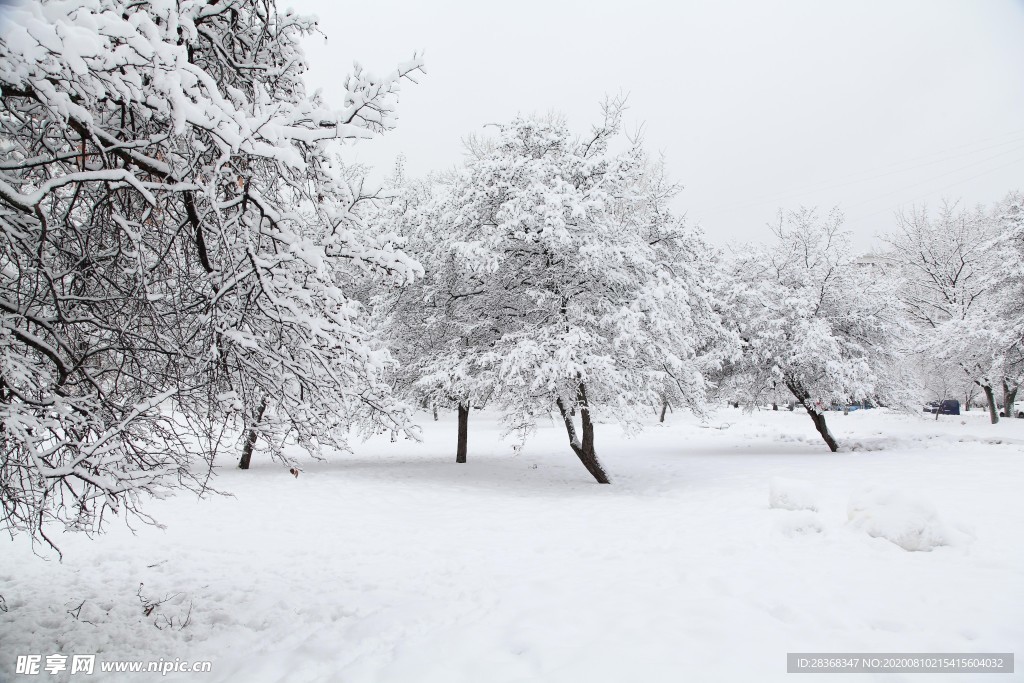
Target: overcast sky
<point>869,105</point>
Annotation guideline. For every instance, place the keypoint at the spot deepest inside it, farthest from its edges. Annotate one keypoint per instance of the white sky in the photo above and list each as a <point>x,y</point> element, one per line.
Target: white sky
<point>866,104</point>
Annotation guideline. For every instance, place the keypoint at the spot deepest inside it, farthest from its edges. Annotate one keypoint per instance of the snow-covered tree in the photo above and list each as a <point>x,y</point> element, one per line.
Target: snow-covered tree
<point>1008,289</point>
<point>565,283</point>
<point>815,321</point>
<point>988,341</point>
<point>427,322</point>
<point>177,246</point>
<point>959,281</point>
<point>941,263</point>
<point>942,260</point>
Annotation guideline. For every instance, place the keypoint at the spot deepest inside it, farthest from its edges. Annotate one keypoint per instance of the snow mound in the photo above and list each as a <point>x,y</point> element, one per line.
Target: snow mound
<point>791,494</point>
<point>872,444</point>
<point>910,523</point>
<point>800,523</point>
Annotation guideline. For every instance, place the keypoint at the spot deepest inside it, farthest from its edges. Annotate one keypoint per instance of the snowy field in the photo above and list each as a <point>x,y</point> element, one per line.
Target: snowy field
<point>397,565</point>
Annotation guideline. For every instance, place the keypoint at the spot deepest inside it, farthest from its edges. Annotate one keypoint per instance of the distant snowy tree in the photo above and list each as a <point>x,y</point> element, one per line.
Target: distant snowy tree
<point>960,271</point>
<point>942,259</point>
<point>428,322</point>
<point>988,342</point>
<point>563,282</point>
<point>814,321</point>
<point>1008,289</point>
<point>940,263</point>
<point>177,245</point>
<point>983,345</point>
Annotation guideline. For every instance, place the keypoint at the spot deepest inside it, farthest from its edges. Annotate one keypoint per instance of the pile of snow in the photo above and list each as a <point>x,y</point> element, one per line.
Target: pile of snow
<point>799,523</point>
<point>791,494</point>
<point>910,523</point>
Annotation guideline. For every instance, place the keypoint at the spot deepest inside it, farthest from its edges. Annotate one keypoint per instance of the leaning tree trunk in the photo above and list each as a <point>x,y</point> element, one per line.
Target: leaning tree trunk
<point>1009,398</point>
<point>460,450</point>
<point>583,448</point>
<point>817,416</point>
<point>664,407</point>
<point>993,413</point>
<point>250,438</point>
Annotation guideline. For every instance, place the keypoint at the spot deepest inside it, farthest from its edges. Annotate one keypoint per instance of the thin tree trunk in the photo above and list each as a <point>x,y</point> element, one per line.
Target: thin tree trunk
<point>435,413</point>
<point>664,407</point>
<point>817,416</point>
<point>460,451</point>
<point>1009,398</point>
<point>583,448</point>
<point>250,438</point>
<point>993,413</point>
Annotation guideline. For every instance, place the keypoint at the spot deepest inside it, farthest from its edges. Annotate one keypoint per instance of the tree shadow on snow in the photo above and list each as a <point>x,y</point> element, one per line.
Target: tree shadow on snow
<point>510,474</point>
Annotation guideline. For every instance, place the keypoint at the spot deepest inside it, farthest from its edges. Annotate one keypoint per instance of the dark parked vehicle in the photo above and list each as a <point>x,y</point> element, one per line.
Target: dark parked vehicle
<point>948,407</point>
<point>850,407</point>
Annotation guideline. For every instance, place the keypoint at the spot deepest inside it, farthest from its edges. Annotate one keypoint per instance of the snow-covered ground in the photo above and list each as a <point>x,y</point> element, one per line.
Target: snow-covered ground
<point>719,548</point>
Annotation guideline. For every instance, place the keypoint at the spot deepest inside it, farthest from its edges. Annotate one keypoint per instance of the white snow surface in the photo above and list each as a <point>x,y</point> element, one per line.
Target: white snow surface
<point>395,564</point>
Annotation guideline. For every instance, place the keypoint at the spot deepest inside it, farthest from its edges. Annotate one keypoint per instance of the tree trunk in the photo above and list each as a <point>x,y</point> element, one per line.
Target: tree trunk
<point>775,406</point>
<point>584,449</point>
<point>993,414</point>
<point>435,413</point>
<point>1009,398</point>
<point>460,451</point>
<point>817,416</point>
<point>250,438</point>
<point>664,407</point>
